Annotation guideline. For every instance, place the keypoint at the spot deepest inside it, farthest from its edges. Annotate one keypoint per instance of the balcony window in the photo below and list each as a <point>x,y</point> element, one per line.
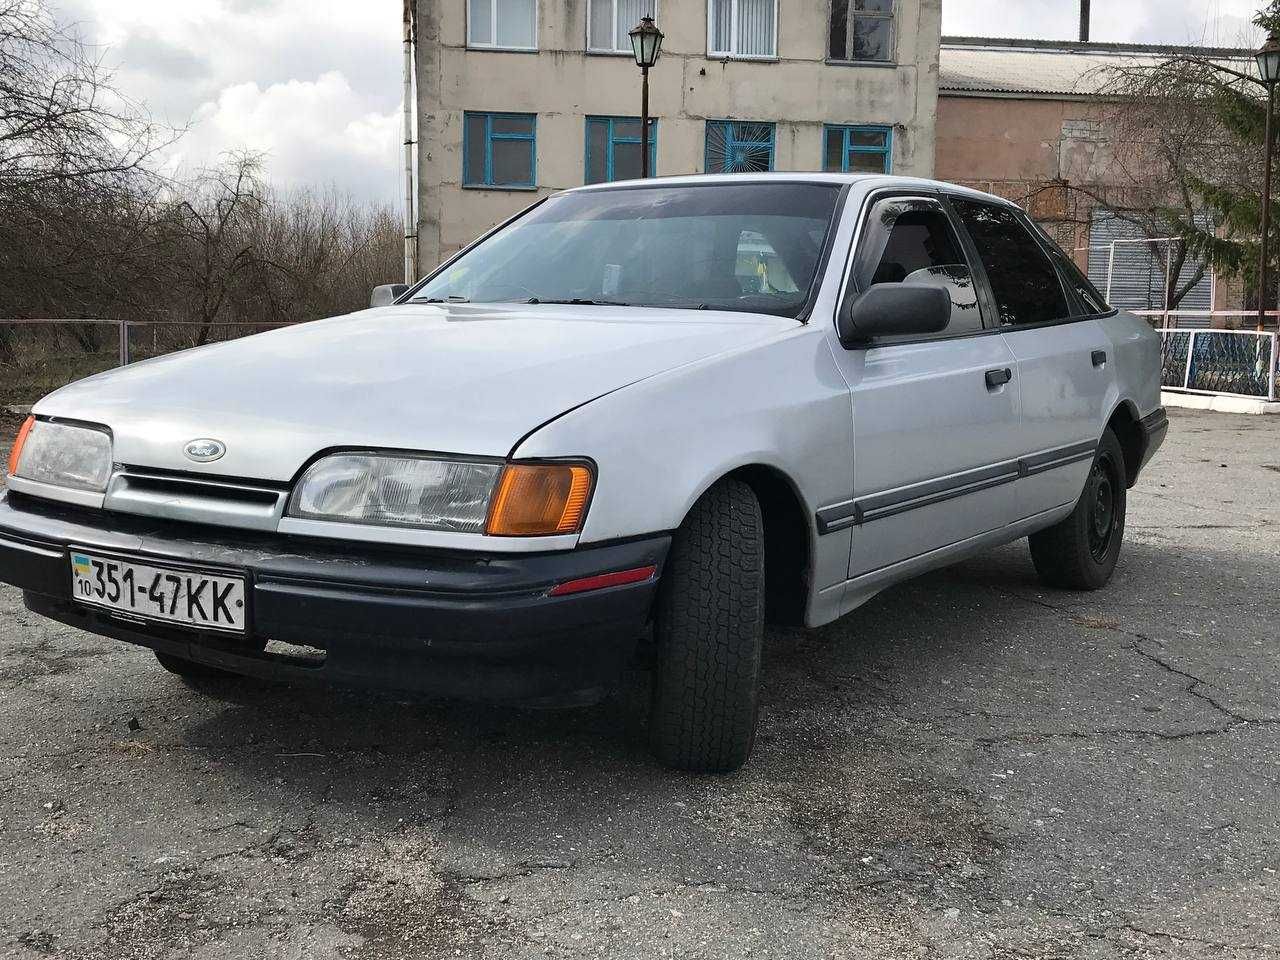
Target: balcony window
<point>742,28</point>
<point>614,149</point>
<point>857,149</point>
<point>739,146</point>
<point>609,21</point>
<point>861,31</point>
<point>499,150</point>
<point>502,24</point>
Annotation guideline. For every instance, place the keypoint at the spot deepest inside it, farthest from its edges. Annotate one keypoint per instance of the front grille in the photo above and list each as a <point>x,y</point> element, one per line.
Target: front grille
<point>196,499</point>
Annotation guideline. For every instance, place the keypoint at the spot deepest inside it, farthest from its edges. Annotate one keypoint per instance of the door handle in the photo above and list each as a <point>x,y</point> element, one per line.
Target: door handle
<point>998,378</point>
<point>1099,357</point>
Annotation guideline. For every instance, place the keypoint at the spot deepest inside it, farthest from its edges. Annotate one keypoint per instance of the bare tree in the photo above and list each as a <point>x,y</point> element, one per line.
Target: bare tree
<point>319,254</point>
<point>75,192</point>
<point>1185,133</point>
<point>61,117</point>
<point>1161,137</point>
<point>88,229</point>
<point>211,233</point>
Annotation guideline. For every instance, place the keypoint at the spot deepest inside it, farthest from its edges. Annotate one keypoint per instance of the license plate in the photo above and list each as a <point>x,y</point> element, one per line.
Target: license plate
<point>183,596</point>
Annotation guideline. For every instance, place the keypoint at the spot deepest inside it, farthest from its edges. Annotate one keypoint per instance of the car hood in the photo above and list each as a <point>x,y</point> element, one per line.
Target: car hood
<point>451,378</point>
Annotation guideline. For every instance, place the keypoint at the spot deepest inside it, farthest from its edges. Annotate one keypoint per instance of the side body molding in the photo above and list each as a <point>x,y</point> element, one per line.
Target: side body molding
<point>888,503</point>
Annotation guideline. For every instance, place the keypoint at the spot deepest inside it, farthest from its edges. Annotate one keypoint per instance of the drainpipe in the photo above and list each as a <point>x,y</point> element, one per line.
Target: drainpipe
<point>1084,21</point>
<point>410,215</point>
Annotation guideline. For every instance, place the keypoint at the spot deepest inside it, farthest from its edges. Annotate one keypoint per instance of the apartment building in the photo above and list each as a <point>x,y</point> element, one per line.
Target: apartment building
<point>519,98</point>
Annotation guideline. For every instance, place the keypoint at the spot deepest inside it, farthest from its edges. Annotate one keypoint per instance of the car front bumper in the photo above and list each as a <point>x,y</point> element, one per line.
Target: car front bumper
<point>450,624</point>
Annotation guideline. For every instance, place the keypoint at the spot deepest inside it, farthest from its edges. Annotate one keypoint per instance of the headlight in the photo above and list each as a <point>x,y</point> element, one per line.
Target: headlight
<point>463,496</point>
<point>63,454</point>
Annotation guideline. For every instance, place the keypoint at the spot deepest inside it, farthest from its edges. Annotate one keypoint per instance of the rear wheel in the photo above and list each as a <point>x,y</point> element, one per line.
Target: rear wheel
<point>708,629</point>
<point>1080,552</point>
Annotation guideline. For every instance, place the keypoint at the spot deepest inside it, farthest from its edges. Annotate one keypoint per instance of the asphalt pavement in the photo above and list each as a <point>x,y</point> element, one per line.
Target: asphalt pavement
<point>971,765</point>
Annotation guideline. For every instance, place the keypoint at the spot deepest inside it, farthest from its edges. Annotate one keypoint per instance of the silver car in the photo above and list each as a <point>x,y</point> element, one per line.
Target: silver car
<point>633,424</point>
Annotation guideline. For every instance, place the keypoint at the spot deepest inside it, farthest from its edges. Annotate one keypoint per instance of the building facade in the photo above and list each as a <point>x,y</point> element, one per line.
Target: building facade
<point>519,98</point>
<point>1029,120</point>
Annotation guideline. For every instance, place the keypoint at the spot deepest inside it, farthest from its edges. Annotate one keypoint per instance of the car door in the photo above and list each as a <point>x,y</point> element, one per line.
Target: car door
<point>1063,366</point>
<point>936,417</point>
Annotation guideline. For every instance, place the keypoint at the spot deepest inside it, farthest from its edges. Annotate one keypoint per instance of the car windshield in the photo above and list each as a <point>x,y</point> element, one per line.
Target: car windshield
<point>750,247</point>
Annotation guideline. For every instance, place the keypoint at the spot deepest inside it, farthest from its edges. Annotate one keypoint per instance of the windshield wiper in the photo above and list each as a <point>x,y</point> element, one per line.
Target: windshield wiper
<point>580,302</point>
<point>451,299</point>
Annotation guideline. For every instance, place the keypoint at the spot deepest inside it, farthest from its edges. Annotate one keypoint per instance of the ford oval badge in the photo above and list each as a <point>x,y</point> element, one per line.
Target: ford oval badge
<point>204,450</point>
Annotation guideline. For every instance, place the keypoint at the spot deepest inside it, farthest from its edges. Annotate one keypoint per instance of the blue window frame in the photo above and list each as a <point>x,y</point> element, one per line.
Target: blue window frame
<point>739,146</point>
<point>613,149</point>
<point>860,149</point>
<point>499,150</point>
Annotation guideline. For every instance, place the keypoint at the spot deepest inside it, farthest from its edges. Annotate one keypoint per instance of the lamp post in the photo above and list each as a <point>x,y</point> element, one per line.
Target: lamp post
<point>646,43</point>
<point>1268,58</point>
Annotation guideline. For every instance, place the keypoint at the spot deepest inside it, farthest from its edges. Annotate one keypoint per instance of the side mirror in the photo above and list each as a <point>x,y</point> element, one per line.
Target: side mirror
<point>387,294</point>
<point>894,309</point>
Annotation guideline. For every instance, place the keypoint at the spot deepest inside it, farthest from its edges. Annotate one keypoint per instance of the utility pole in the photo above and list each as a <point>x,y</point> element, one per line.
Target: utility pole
<point>410,106</point>
<point>1084,21</point>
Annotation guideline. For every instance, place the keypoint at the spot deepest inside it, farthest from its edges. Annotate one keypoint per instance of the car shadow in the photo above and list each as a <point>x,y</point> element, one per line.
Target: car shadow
<point>922,651</point>
<point>928,616</point>
<point>880,735</point>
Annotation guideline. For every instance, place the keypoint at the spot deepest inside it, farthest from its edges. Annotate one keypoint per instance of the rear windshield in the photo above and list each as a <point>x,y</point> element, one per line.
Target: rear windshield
<point>750,247</point>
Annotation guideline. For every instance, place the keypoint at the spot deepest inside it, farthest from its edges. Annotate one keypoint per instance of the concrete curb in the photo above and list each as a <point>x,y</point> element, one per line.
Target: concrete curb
<point>1219,404</point>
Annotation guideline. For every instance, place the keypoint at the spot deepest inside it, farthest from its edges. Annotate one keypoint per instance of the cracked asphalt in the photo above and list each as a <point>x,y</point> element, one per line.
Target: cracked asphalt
<point>970,766</point>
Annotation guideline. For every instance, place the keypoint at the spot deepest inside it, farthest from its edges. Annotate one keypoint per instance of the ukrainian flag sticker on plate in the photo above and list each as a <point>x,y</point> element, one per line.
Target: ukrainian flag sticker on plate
<point>81,564</point>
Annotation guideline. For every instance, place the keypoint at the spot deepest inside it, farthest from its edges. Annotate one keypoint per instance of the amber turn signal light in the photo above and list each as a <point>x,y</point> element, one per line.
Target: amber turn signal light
<point>539,499</point>
<point>16,453</point>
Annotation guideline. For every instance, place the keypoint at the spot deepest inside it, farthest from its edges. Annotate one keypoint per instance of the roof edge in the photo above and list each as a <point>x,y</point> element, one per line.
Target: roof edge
<point>1090,46</point>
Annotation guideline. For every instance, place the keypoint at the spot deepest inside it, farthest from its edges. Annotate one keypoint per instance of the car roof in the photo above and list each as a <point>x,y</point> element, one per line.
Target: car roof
<point>866,181</point>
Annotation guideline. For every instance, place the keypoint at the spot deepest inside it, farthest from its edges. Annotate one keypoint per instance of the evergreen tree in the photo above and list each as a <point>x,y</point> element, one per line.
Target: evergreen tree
<point>1231,196</point>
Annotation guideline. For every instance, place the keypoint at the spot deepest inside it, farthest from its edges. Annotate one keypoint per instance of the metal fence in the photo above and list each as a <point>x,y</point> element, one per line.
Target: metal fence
<point>1135,273</point>
<point>1231,362</point>
<point>124,329</point>
<point>39,355</point>
<point>1239,363</point>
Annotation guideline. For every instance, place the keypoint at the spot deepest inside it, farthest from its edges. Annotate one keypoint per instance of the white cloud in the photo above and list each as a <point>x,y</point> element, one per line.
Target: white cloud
<point>312,132</point>
<point>314,83</point>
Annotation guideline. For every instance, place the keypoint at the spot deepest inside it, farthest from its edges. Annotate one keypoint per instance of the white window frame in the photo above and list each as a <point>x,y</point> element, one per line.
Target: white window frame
<point>492,43</point>
<point>715,54</point>
<point>614,51</point>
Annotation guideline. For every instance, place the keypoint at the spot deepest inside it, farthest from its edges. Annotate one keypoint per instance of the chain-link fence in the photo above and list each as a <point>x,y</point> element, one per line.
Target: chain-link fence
<point>1234,362</point>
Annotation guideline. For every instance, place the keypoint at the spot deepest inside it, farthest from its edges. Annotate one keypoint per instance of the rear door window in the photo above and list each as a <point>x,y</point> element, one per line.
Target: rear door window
<point>1023,280</point>
<point>911,240</point>
<point>1090,301</point>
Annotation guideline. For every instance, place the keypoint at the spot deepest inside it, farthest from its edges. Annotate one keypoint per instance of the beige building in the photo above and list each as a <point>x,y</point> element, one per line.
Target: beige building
<point>1029,120</point>
<point>518,98</point>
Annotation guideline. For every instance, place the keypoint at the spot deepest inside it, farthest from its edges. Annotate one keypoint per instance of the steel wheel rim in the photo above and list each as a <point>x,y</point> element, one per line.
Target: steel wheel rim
<point>1103,517</point>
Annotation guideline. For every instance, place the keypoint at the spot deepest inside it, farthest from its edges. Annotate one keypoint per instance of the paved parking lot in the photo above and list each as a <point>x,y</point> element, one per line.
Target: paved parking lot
<point>969,766</point>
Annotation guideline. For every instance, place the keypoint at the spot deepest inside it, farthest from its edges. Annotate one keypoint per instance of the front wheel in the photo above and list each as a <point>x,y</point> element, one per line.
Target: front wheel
<point>1080,552</point>
<point>709,628</point>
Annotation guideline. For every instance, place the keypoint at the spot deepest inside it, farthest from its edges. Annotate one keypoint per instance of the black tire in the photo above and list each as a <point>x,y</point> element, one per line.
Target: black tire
<point>189,669</point>
<point>708,631</point>
<point>1080,552</point>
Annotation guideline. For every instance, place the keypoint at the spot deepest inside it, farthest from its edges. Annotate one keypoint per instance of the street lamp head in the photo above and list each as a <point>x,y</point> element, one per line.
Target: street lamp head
<point>1268,58</point>
<point>646,42</point>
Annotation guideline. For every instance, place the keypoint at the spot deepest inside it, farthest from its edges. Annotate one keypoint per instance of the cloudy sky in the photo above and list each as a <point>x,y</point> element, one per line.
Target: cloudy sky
<point>315,84</point>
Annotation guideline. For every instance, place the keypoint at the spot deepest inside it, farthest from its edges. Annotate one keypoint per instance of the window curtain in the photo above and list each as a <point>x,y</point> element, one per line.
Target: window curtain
<point>755,28</point>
